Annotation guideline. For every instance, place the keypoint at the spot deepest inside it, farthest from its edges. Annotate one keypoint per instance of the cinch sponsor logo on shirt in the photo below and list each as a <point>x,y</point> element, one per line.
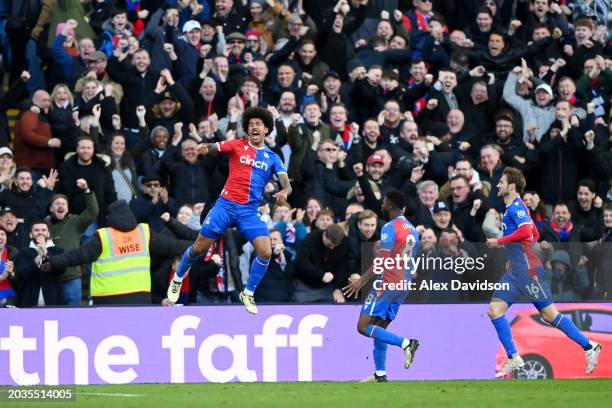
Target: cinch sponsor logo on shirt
<point>258,164</point>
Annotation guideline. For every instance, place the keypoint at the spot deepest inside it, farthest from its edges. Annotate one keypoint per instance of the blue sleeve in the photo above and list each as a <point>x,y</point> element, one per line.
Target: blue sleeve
<point>307,99</point>
<point>205,14</point>
<point>519,215</point>
<point>417,241</point>
<point>281,226</point>
<point>300,232</point>
<point>61,57</point>
<point>387,237</point>
<point>277,165</point>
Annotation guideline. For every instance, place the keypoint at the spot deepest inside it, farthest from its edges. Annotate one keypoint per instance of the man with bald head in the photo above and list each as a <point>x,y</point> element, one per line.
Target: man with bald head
<point>34,142</point>
<point>461,140</point>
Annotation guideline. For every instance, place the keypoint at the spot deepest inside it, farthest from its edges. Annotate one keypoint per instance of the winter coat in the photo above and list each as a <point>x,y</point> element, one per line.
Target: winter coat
<point>191,182</point>
<point>99,180</point>
<point>32,134</point>
<point>67,232</point>
<point>560,167</point>
<point>30,205</point>
<point>33,279</point>
<point>72,68</point>
<point>314,259</point>
<point>135,85</point>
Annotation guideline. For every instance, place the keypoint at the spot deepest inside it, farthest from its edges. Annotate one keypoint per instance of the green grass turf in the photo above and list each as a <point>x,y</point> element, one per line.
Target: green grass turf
<point>504,393</point>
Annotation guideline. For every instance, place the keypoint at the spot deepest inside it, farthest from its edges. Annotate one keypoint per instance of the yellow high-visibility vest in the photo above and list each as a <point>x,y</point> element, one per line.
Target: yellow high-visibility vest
<point>124,266</point>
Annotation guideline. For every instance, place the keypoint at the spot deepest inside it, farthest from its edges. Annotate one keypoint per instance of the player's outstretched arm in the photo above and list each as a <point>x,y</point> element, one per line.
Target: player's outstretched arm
<point>208,148</point>
<point>286,189</point>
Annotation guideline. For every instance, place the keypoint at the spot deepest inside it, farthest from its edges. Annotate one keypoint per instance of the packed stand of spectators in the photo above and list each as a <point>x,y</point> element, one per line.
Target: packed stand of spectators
<point>432,98</point>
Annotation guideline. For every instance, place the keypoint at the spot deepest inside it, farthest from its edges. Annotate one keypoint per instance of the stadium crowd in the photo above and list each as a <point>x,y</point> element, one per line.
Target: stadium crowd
<point>431,98</point>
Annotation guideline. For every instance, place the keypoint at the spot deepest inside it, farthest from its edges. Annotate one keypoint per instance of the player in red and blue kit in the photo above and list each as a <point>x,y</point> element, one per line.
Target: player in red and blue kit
<point>393,269</point>
<point>251,165</point>
<point>524,277</point>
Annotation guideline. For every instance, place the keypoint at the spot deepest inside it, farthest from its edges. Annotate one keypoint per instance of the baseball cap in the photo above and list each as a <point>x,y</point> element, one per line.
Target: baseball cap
<point>169,95</point>
<point>546,88</point>
<point>375,158</point>
<point>6,150</point>
<point>353,64</point>
<point>191,25</point>
<point>236,36</point>
<point>333,74</point>
<point>250,33</point>
<point>438,129</point>
<point>7,210</point>
<point>207,22</point>
<point>96,56</point>
<point>440,206</point>
<point>150,177</point>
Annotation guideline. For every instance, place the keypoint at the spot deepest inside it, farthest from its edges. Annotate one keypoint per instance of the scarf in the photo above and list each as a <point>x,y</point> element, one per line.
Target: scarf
<point>420,103</point>
<point>221,274</point>
<point>346,136</point>
<point>421,21</point>
<point>281,261</point>
<point>537,218</point>
<point>564,233</point>
<point>6,290</point>
<point>72,51</point>
<point>290,235</point>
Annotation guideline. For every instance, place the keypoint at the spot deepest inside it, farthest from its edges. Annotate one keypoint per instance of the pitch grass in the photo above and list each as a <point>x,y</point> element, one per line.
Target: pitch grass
<point>544,393</point>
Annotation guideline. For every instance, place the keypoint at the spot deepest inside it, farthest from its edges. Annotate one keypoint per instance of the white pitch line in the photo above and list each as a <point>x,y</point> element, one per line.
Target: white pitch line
<point>107,394</point>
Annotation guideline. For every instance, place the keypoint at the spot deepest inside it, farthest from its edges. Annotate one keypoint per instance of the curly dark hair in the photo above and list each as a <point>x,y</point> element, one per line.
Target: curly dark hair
<point>257,113</point>
<point>397,199</point>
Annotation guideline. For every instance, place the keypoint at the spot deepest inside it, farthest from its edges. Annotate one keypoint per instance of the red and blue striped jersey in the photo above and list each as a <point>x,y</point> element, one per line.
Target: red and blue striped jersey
<point>521,255</point>
<point>250,169</point>
<point>398,237</point>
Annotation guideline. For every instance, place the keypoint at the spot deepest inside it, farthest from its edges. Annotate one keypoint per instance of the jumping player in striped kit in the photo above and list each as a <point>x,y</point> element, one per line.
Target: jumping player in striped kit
<point>525,277</point>
<point>252,164</point>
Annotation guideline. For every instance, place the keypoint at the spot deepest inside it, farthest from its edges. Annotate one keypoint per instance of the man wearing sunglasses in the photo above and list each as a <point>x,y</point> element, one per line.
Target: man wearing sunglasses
<point>237,45</point>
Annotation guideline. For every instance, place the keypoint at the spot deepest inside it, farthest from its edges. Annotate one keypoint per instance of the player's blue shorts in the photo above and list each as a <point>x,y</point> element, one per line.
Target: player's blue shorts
<point>378,307</point>
<point>226,214</point>
<point>522,287</point>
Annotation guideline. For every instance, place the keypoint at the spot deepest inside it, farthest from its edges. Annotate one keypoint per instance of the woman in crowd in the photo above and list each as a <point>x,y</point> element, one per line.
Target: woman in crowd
<point>62,120</point>
<point>7,168</point>
<point>123,166</point>
<point>94,93</point>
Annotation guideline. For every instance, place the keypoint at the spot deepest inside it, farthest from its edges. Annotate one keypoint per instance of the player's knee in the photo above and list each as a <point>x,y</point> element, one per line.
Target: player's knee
<point>362,328</point>
<point>494,312</point>
<point>199,246</point>
<point>548,316</point>
<point>265,253</point>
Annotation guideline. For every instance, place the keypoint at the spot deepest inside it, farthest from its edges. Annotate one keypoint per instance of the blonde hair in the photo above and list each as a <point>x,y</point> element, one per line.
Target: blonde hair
<point>85,123</point>
<point>56,89</point>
